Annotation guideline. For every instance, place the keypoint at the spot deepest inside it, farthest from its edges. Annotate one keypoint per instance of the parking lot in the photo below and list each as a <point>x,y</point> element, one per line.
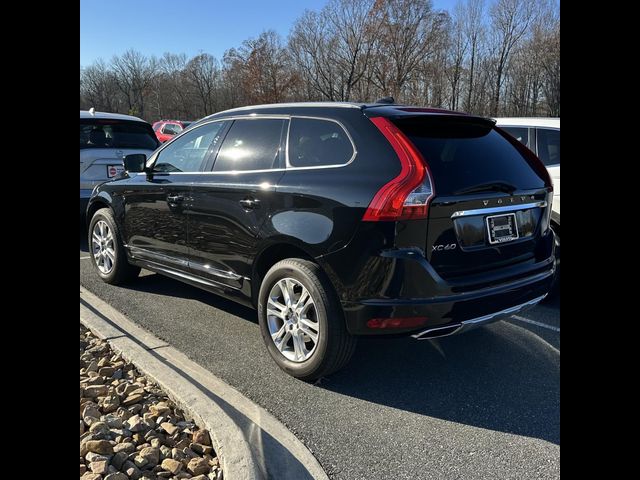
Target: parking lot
<point>475,406</point>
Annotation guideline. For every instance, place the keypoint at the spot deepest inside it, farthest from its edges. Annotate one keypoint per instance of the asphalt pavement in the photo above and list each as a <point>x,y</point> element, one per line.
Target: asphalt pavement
<point>482,405</point>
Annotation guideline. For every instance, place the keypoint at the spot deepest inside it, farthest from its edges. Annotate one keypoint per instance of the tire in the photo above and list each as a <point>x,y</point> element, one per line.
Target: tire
<point>333,346</point>
<point>121,271</point>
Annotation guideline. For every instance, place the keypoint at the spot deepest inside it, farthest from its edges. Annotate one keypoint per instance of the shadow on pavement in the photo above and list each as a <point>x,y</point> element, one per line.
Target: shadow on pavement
<point>500,377</point>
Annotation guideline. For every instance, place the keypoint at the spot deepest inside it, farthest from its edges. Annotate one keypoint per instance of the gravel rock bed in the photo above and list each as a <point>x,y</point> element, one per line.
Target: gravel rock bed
<point>129,428</point>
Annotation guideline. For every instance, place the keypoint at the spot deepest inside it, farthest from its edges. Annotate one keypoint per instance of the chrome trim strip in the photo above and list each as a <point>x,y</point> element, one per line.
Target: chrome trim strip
<point>506,208</point>
<point>151,160</point>
<point>194,278</point>
<point>476,322</point>
<point>335,165</point>
<point>147,255</point>
<point>293,105</point>
<point>215,271</point>
<point>144,254</point>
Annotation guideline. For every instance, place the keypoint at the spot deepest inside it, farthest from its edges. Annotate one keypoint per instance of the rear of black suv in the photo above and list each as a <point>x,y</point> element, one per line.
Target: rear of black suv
<point>336,220</point>
<point>460,237</point>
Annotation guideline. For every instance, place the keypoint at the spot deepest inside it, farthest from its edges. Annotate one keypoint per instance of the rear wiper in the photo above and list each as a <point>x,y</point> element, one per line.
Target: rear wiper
<point>488,187</point>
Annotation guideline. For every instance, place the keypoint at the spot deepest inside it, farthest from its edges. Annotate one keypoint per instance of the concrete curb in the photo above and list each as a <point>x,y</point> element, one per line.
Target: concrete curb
<point>251,442</point>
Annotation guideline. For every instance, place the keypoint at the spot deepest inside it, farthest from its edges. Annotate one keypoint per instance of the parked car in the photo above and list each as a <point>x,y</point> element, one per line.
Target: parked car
<point>336,220</point>
<point>542,136</point>
<point>167,129</point>
<point>105,139</point>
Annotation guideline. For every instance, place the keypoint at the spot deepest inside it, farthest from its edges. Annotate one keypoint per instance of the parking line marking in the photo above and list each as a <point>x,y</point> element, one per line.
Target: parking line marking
<point>533,322</point>
<point>84,258</point>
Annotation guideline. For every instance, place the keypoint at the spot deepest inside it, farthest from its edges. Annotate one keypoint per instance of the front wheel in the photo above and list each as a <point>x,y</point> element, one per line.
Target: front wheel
<point>301,321</point>
<point>107,252</point>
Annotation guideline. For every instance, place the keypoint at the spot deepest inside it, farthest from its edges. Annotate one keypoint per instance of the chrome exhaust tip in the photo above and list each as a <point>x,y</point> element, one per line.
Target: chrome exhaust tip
<point>436,332</point>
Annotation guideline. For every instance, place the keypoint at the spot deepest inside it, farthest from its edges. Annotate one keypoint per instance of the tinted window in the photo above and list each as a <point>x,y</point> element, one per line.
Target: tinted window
<point>98,133</point>
<point>171,129</point>
<point>250,145</point>
<point>548,146</point>
<point>462,154</point>
<point>317,143</point>
<point>519,133</point>
<point>189,152</point>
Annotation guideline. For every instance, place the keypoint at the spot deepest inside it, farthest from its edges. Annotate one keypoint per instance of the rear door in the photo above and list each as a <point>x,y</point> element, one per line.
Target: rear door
<point>157,204</point>
<point>490,200</point>
<point>233,199</point>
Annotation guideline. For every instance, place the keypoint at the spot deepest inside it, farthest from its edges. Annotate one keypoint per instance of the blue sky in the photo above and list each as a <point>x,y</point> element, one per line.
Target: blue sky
<point>110,27</point>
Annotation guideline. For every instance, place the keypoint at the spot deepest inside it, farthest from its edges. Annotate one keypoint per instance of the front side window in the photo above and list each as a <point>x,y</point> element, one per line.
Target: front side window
<point>190,152</point>
<point>519,133</point>
<point>548,146</point>
<point>315,143</point>
<point>250,145</point>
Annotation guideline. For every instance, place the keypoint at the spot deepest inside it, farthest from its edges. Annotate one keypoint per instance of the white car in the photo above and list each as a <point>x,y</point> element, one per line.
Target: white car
<point>542,136</point>
<point>105,139</point>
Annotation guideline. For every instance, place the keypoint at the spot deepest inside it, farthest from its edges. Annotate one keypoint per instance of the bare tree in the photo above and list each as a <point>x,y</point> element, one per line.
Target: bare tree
<point>471,16</point>
<point>504,58</point>
<point>510,21</point>
<point>134,75</point>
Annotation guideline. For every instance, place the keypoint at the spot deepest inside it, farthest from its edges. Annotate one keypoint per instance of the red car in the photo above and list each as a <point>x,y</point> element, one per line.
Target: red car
<point>167,129</point>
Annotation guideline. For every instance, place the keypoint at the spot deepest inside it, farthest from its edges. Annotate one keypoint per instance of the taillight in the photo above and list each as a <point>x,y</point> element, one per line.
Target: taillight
<point>407,196</point>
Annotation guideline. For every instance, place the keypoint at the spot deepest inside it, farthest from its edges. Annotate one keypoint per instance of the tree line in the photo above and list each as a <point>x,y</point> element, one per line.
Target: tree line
<point>487,57</point>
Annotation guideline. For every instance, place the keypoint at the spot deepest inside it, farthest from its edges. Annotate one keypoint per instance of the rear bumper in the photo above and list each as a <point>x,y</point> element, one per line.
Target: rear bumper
<point>401,284</point>
<point>470,324</point>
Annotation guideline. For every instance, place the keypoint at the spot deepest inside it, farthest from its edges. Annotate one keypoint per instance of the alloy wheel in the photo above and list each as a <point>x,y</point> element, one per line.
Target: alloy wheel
<point>103,248</point>
<point>293,320</point>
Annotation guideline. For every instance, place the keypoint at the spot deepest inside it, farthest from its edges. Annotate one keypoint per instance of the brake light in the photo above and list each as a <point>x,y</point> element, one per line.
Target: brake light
<point>408,195</point>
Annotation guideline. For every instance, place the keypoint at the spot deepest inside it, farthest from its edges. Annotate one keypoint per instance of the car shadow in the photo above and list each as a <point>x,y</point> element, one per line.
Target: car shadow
<point>503,377</point>
<point>150,282</point>
<point>500,377</point>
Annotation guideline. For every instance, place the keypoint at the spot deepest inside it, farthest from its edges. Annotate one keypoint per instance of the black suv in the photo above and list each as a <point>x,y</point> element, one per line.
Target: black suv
<point>336,220</point>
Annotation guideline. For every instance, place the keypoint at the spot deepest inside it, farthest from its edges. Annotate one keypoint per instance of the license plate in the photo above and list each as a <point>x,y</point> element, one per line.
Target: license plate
<point>113,170</point>
<point>502,228</point>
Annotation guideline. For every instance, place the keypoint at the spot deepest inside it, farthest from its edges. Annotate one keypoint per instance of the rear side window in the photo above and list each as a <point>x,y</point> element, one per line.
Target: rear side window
<point>463,154</point>
<point>99,133</point>
<point>548,146</point>
<point>251,145</point>
<point>519,133</point>
<point>315,142</point>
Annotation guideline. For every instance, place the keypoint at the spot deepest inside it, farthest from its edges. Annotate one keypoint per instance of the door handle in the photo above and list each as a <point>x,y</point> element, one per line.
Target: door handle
<point>250,203</point>
<point>175,198</point>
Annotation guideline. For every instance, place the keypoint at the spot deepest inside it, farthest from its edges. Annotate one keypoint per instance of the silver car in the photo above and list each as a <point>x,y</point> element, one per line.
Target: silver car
<point>105,139</point>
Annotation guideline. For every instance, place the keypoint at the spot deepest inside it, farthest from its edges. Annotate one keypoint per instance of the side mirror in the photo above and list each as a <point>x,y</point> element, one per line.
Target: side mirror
<point>135,162</point>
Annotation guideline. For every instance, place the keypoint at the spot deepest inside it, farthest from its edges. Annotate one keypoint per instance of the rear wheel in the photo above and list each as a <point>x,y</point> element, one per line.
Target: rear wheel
<point>107,252</point>
<point>301,321</point>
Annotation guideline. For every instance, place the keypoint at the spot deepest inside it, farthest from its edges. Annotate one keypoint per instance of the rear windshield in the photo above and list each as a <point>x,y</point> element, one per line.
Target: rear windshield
<point>463,154</point>
<point>116,134</point>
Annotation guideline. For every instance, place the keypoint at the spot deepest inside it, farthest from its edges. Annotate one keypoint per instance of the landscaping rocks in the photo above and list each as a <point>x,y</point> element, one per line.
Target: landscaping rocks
<point>130,429</point>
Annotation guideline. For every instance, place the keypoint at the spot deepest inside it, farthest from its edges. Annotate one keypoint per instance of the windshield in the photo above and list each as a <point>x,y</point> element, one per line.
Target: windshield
<point>98,133</point>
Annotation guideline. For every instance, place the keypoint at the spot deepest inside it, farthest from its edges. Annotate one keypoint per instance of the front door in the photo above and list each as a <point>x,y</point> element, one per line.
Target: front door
<point>158,203</point>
